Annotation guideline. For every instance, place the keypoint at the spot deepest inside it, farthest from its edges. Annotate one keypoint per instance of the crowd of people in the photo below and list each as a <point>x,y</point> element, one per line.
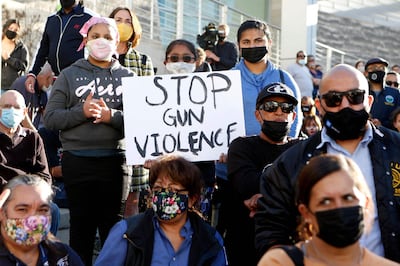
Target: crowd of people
<point>269,200</point>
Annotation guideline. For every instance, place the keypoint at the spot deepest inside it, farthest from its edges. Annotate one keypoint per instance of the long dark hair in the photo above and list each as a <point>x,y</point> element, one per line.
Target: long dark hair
<point>7,24</point>
<point>186,43</point>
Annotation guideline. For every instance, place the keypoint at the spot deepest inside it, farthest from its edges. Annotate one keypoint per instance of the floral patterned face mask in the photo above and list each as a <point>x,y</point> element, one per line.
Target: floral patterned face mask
<point>167,205</point>
<point>28,231</point>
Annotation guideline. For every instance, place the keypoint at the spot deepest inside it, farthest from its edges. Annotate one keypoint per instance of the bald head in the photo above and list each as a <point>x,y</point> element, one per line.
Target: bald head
<point>343,76</point>
<point>12,98</point>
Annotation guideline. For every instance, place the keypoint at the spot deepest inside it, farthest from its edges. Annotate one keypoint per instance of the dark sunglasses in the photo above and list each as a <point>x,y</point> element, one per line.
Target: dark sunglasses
<point>272,106</point>
<point>176,58</point>
<point>394,83</point>
<point>334,98</point>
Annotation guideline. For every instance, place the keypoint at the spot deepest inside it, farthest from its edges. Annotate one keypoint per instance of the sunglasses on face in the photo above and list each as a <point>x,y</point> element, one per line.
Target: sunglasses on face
<point>272,106</point>
<point>394,83</point>
<point>176,58</point>
<point>334,98</point>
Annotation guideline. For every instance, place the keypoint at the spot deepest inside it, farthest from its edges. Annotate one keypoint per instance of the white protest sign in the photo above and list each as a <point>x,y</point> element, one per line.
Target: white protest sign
<point>195,115</point>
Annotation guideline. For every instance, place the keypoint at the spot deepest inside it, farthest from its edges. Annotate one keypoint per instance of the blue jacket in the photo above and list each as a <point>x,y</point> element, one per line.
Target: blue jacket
<point>384,104</point>
<point>59,46</point>
<point>276,218</point>
<point>251,86</point>
<point>130,242</point>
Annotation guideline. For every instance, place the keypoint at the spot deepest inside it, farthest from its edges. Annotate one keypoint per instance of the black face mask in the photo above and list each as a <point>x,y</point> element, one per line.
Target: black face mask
<point>340,227</point>
<point>11,34</point>
<point>67,3</point>
<point>376,76</point>
<point>276,131</point>
<point>305,108</point>
<point>254,54</point>
<point>221,37</point>
<point>346,124</point>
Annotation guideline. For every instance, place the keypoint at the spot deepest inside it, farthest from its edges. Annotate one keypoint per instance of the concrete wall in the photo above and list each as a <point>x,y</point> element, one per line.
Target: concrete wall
<point>292,18</point>
<point>360,40</point>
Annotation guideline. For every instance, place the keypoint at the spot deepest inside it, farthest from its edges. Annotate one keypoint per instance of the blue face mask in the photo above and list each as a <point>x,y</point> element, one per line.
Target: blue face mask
<point>11,117</point>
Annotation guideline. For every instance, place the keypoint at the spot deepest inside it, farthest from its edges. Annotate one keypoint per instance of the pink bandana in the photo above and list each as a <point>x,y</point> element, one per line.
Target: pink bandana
<point>97,20</point>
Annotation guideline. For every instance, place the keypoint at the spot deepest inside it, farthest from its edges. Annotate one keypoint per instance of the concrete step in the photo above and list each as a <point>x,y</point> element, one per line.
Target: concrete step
<point>63,227</point>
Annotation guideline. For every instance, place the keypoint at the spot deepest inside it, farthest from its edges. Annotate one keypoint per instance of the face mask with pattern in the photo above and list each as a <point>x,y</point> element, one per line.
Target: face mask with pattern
<point>28,231</point>
<point>167,205</point>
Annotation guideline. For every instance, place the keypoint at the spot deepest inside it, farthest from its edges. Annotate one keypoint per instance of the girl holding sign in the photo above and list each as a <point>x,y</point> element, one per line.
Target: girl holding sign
<point>86,106</point>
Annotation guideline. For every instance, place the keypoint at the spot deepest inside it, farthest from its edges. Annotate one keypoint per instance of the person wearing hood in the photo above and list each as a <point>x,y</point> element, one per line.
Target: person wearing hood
<point>257,71</point>
<point>86,106</point>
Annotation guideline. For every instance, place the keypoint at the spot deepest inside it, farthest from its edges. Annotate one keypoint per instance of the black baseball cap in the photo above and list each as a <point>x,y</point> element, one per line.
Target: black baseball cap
<point>276,89</point>
<point>376,60</point>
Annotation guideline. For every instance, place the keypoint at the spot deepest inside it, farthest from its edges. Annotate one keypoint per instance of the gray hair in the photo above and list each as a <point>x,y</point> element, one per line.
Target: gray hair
<point>46,69</point>
<point>29,180</point>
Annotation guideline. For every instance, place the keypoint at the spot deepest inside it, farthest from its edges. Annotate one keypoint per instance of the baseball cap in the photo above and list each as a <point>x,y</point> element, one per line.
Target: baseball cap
<point>276,89</point>
<point>376,60</point>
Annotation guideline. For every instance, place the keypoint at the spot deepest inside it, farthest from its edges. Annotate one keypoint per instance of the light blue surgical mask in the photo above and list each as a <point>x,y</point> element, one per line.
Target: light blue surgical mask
<point>11,117</point>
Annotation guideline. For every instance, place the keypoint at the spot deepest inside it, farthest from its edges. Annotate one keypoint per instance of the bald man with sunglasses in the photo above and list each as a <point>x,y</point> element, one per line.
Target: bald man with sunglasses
<point>344,104</point>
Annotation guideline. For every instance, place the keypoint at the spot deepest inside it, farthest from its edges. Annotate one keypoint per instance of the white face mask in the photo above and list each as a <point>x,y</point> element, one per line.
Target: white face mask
<point>101,49</point>
<point>302,62</point>
<point>180,67</point>
<point>45,89</point>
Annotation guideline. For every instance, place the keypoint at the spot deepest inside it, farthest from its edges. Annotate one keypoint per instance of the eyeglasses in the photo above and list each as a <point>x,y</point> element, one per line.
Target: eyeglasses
<point>176,58</point>
<point>272,106</point>
<point>394,83</point>
<point>169,189</point>
<point>301,56</point>
<point>334,98</point>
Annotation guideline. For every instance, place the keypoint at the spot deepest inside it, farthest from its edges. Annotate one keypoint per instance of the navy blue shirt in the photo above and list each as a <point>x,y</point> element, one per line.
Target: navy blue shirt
<point>385,102</point>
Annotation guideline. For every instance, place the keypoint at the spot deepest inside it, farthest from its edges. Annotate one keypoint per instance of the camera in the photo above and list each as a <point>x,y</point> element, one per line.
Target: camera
<point>208,40</point>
